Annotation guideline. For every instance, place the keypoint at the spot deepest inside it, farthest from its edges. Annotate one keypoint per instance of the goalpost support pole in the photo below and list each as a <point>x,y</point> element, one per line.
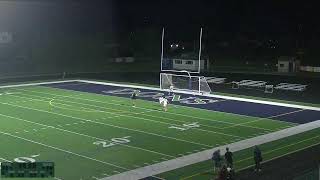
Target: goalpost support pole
<point>162,39</point>
<point>200,47</point>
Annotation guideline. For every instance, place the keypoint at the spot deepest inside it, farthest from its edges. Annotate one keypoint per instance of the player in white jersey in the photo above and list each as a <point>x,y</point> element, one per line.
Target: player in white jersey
<point>164,102</point>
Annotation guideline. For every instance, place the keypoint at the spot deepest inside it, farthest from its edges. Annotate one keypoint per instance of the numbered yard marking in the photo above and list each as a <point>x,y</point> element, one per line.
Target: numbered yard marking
<point>192,125</point>
<point>185,127</point>
<point>26,159</point>
<point>196,100</point>
<point>178,128</point>
<point>114,141</point>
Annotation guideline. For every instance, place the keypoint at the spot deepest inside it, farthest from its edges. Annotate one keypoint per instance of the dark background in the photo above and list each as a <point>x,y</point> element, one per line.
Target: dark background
<point>83,35</point>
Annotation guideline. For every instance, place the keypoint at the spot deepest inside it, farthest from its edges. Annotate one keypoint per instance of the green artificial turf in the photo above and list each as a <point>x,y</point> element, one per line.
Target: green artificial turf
<point>79,131</point>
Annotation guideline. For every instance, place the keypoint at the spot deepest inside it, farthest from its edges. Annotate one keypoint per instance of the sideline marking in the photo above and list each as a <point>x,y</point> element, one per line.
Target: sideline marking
<point>72,132</point>
<point>102,123</point>
<point>62,150</point>
<point>267,152</point>
<point>224,122</point>
<point>287,113</point>
<point>206,155</point>
<point>146,119</point>
<point>82,109</point>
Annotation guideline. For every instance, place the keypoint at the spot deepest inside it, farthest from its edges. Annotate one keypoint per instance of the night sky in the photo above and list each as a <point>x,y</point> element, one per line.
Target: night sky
<point>260,17</point>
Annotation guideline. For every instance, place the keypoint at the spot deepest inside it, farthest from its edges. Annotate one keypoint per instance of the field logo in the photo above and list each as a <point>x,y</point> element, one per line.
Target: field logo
<point>155,95</point>
<point>114,141</point>
<point>185,127</point>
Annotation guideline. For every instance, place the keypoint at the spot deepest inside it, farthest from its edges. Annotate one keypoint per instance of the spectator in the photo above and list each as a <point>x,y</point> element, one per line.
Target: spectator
<point>230,174</point>
<point>257,158</point>
<point>228,157</point>
<point>216,158</point>
<point>222,175</point>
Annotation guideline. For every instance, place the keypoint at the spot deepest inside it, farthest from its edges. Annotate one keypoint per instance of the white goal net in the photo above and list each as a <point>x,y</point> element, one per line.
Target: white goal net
<point>184,83</point>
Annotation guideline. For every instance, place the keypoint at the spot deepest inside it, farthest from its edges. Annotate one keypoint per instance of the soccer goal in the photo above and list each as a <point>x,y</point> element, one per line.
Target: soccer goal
<point>184,83</point>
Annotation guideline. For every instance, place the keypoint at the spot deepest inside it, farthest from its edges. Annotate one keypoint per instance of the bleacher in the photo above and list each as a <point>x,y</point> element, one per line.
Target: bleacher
<point>216,80</point>
<point>291,87</point>
<point>248,83</point>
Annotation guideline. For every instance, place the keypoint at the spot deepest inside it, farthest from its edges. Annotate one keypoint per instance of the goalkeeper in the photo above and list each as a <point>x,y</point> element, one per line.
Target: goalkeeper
<point>171,90</point>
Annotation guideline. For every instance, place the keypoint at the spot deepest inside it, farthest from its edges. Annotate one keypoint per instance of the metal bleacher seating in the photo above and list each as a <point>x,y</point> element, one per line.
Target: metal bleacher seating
<point>248,83</point>
<point>291,87</point>
<point>216,80</point>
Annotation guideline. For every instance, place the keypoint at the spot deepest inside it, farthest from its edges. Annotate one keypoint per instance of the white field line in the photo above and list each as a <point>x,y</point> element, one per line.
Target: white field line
<point>125,115</point>
<point>209,95</point>
<point>291,152</point>
<point>279,115</point>
<point>52,103</point>
<point>5,160</point>
<point>283,114</point>
<point>158,89</point>
<point>147,110</point>
<point>85,135</point>
<point>224,122</point>
<point>189,107</point>
<point>106,124</point>
<point>188,116</point>
<point>143,112</point>
<point>283,147</point>
<point>71,84</point>
<point>62,150</point>
<point>36,84</point>
<point>265,161</point>
<point>207,154</point>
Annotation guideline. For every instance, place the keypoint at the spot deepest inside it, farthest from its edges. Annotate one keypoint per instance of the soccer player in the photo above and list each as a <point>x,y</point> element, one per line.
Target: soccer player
<point>164,102</point>
<point>171,90</point>
<point>134,97</point>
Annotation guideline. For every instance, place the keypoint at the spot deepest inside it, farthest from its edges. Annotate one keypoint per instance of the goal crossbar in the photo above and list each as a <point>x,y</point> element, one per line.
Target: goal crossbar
<point>184,83</point>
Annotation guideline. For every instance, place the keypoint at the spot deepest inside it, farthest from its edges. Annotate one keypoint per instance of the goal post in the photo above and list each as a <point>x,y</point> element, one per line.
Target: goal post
<point>184,83</point>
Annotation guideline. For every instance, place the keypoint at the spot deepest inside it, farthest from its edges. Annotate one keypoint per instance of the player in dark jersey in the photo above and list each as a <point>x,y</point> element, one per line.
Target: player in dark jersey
<point>134,97</point>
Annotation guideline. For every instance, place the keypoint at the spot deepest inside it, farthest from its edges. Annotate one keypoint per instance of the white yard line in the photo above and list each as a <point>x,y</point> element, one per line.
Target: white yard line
<point>158,89</point>
<point>85,135</point>
<point>5,160</point>
<point>279,115</point>
<point>125,115</point>
<point>266,152</point>
<point>36,84</point>
<point>184,115</point>
<point>209,95</point>
<point>106,124</point>
<point>162,167</point>
<point>62,150</point>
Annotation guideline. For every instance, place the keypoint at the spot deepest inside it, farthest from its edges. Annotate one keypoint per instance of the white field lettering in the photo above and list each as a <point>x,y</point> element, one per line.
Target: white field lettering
<point>114,141</point>
<point>185,127</point>
<point>156,95</point>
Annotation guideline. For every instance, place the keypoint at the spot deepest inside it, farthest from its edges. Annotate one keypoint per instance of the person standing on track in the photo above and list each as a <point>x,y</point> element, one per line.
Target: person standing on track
<point>257,156</point>
<point>216,158</point>
<point>228,157</point>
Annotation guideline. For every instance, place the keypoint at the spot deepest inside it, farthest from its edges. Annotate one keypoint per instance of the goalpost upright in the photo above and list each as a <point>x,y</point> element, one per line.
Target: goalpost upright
<point>171,76</point>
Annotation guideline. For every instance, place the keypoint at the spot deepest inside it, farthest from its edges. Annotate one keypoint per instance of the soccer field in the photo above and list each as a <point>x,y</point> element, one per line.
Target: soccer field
<point>94,134</point>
